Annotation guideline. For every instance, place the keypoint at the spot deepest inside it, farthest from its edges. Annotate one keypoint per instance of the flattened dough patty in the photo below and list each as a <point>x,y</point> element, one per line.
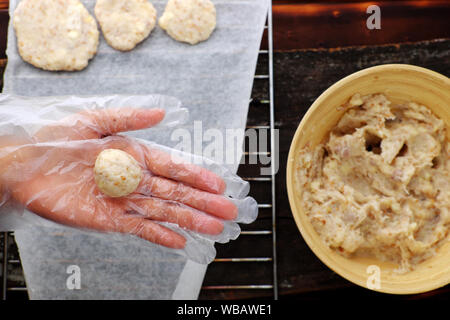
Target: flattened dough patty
<point>55,34</point>
<point>116,173</point>
<point>125,23</point>
<point>189,21</point>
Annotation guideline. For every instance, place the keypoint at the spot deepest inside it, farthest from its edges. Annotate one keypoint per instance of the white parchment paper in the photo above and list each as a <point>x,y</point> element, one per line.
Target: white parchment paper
<point>213,80</point>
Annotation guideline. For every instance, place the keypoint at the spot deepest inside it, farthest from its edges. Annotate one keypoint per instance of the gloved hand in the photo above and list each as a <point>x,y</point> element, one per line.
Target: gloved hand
<point>51,174</point>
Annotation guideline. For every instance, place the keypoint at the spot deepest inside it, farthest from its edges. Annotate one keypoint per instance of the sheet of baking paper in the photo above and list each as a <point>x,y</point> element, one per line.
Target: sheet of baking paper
<point>213,80</point>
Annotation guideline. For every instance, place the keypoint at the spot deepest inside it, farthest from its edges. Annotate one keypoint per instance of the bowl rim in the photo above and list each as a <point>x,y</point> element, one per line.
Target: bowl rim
<point>345,273</point>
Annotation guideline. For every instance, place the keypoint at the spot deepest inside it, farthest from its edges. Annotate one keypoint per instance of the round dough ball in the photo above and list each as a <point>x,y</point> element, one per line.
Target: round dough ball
<point>55,34</point>
<point>189,21</point>
<point>116,173</point>
<point>125,23</point>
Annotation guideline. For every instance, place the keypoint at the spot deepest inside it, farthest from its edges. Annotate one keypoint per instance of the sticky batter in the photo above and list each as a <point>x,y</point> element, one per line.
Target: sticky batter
<point>379,185</point>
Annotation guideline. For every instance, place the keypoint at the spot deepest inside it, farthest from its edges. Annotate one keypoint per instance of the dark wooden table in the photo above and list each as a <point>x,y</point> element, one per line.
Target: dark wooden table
<point>316,44</point>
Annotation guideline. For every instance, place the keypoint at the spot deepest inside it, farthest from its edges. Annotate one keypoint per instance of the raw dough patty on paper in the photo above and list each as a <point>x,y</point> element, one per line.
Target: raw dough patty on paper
<point>55,34</point>
<point>125,23</point>
<point>189,21</point>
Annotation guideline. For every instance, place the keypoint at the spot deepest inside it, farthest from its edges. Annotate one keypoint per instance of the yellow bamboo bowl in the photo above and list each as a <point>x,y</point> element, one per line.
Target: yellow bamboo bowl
<point>399,83</point>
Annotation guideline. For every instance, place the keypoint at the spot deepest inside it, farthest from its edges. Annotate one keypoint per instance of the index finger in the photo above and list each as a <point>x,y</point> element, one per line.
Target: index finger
<point>116,120</point>
<point>169,166</point>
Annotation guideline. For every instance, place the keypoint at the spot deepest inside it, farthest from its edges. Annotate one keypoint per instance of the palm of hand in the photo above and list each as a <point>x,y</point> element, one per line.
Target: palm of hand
<point>63,189</point>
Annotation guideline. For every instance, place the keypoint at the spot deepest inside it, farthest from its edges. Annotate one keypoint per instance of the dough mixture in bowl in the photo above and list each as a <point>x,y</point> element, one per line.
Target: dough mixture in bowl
<point>380,184</point>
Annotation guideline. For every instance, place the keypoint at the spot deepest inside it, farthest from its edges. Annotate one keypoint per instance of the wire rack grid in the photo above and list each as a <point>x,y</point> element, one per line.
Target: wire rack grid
<point>8,250</point>
<point>271,282</point>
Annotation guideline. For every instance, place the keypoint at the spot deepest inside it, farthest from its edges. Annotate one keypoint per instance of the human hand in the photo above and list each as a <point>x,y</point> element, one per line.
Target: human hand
<point>53,177</point>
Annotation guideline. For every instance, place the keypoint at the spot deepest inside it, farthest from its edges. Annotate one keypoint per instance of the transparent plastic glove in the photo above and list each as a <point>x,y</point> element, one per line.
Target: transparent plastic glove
<point>177,204</point>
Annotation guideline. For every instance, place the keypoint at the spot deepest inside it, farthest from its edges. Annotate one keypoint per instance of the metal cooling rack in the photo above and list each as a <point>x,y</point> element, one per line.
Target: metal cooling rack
<point>11,260</point>
<point>12,280</point>
<point>271,283</point>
